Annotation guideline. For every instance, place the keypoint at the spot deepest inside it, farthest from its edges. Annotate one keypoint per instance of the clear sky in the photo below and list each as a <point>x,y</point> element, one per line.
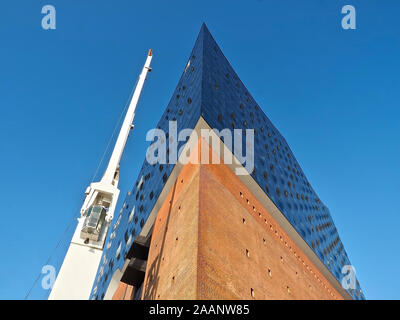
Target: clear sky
<point>334,95</point>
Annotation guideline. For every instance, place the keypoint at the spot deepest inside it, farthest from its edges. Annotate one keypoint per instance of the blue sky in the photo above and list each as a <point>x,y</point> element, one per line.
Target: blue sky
<point>334,94</point>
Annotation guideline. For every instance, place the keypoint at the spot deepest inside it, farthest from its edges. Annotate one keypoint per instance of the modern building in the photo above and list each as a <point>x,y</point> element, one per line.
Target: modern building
<point>200,230</point>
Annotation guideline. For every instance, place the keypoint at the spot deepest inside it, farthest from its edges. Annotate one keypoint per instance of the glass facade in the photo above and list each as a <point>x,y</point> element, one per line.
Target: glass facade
<point>209,87</point>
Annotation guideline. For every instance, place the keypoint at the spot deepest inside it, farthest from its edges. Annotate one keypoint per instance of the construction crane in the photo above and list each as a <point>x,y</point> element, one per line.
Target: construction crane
<point>78,270</point>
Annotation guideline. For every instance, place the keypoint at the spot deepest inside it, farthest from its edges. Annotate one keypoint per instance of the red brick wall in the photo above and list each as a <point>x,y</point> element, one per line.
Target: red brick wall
<point>213,240</point>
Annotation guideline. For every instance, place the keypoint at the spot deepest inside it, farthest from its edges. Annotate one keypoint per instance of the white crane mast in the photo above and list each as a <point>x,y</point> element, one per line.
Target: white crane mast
<point>78,271</point>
